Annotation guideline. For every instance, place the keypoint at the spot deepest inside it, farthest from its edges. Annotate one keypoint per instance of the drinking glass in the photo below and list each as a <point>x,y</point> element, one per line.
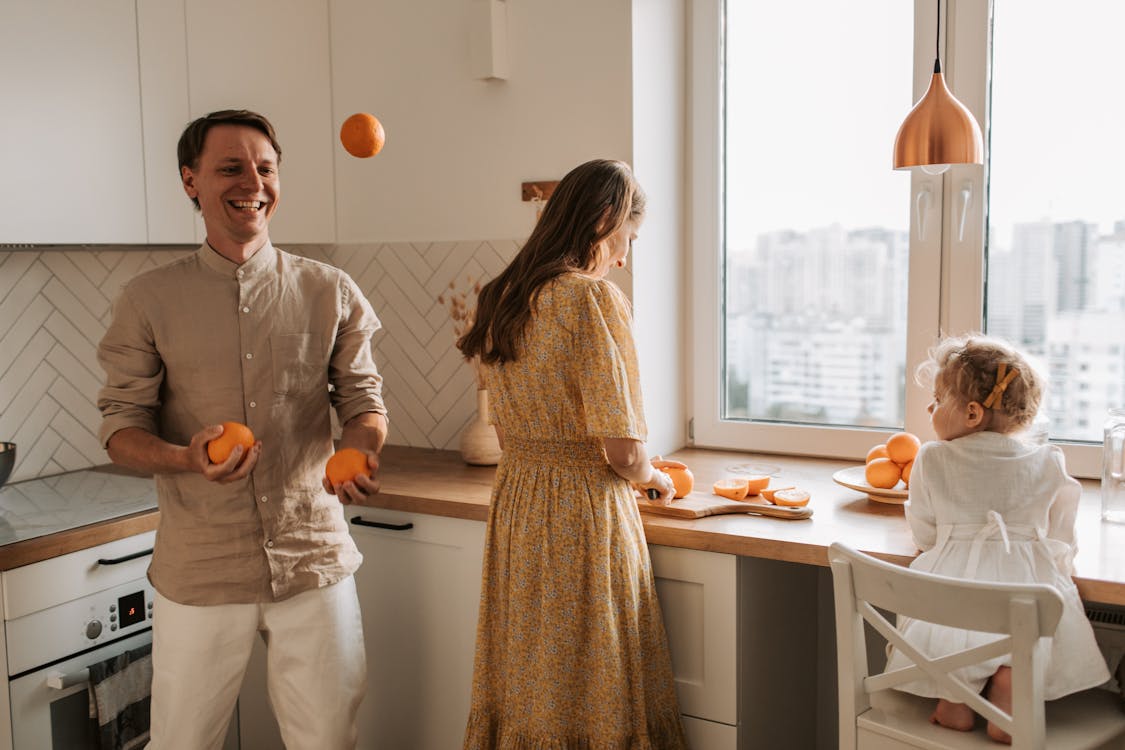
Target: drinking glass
<point>1113,468</point>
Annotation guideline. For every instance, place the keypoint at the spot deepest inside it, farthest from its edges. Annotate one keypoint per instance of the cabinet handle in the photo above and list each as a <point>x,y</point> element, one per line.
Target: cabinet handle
<point>126,558</point>
<point>359,521</point>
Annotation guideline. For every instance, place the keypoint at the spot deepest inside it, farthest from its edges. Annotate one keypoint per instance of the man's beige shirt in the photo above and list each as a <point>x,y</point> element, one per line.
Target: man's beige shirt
<point>274,343</point>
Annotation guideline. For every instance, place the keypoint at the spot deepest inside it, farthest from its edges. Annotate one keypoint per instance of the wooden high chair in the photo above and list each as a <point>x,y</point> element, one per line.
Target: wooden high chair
<point>875,717</point>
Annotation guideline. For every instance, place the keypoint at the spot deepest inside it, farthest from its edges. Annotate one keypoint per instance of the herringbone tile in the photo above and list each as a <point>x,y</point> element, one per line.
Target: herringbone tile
<point>56,303</point>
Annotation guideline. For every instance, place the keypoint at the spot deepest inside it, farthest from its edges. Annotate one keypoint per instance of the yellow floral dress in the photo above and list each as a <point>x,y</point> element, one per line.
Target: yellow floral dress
<point>571,651</point>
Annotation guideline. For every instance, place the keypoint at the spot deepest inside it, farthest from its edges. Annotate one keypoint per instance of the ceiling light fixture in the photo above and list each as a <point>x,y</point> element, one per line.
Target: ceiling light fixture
<point>940,130</point>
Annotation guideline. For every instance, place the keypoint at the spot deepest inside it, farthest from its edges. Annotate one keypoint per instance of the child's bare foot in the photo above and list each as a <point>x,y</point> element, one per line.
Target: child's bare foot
<point>999,691</point>
<point>953,715</point>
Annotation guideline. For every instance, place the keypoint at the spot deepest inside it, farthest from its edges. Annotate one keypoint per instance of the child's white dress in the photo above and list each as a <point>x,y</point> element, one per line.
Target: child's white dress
<point>993,508</point>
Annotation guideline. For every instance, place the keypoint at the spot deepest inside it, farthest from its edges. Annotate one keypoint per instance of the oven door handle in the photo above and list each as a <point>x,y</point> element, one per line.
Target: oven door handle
<point>62,681</point>
<point>124,558</point>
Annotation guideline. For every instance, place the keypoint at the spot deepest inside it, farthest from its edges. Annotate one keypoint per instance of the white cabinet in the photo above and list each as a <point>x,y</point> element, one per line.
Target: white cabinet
<point>70,132</point>
<point>698,594</point>
<point>270,56</point>
<point>419,588</point>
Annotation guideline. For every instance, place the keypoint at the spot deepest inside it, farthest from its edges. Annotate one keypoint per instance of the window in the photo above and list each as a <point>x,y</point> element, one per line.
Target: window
<point>822,276</point>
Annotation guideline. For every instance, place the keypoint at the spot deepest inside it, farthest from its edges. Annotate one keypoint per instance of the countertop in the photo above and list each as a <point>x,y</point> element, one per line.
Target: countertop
<point>439,483</point>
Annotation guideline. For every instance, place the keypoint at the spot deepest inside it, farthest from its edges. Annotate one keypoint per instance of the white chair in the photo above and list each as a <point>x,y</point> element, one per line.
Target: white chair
<point>874,716</point>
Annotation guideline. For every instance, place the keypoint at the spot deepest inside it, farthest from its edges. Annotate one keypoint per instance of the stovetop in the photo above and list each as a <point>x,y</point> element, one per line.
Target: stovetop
<point>38,507</point>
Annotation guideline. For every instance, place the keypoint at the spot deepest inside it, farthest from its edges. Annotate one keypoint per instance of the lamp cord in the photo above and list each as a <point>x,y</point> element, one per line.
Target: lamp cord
<point>937,39</point>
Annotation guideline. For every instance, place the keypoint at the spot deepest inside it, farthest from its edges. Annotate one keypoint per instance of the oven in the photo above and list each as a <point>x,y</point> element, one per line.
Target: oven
<point>61,616</point>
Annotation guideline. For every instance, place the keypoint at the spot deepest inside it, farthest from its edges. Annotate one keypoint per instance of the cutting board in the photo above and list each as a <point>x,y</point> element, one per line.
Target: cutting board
<point>698,505</point>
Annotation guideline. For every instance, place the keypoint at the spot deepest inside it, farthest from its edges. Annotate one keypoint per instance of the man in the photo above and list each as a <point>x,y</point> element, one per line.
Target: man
<point>241,331</point>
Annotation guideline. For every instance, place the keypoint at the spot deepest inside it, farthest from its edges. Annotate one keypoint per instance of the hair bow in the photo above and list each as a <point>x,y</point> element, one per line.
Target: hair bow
<point>1002,381</point>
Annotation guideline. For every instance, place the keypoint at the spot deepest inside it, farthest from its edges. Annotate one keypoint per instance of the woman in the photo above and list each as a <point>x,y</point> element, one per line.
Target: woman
<point>571,650</point>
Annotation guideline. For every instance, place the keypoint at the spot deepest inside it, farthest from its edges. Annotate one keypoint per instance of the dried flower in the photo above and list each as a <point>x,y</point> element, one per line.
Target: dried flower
<point>462,306</point>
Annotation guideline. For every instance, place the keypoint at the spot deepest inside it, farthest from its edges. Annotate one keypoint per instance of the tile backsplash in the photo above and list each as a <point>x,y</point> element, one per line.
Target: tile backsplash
<point>55,303</point>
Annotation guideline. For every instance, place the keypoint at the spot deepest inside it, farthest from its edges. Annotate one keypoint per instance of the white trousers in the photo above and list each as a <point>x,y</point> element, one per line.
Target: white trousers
<point>316,668</point>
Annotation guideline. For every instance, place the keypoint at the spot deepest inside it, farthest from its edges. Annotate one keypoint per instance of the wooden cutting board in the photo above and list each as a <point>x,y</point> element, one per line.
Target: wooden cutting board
<point>698,505</point>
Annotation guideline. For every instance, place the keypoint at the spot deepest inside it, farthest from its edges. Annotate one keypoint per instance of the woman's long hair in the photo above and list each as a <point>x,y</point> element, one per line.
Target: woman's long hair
<point>590,204</point>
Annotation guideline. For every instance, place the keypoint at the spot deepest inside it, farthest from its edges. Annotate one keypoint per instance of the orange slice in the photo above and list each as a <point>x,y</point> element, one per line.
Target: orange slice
<point>757,482</point>
<point>734,489</point>
<point>768,494</point>
<point>791,497</point>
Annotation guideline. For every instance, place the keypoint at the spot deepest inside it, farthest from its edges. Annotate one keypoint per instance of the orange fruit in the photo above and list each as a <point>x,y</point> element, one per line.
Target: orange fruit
<point>757,483</point>
<point>879,451</point>
<point>768,494</point>
<point>903,447</point>
<point>234,433</point>
<point>791,497</point>
<point>345,465</point>
<point>883,473</point>
<point>682,479</point>
<point>362,135</point>
<point>906,468</point>
<point>734,489</point>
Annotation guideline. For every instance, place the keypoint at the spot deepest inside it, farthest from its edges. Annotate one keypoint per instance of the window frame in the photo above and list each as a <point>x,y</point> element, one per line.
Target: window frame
<point>946,277</point>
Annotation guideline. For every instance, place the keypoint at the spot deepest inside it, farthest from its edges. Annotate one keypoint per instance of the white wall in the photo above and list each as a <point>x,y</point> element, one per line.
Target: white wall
<point>660,261</point>
<point>458,148</point>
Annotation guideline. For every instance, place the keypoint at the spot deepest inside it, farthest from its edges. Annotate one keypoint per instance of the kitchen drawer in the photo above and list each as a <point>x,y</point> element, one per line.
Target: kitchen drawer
<point>698,594</point>
<point>709,735</point>
<point>40,585</point>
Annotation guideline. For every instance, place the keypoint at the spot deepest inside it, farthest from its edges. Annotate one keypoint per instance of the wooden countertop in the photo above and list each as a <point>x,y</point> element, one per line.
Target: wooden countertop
<point>439,483</point>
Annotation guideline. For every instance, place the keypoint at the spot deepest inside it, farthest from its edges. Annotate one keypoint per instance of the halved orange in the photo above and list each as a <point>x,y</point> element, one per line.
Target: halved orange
<point>735,489</point>
<point>791,497</point>
<point>768,493</point>
<point>757,482</point>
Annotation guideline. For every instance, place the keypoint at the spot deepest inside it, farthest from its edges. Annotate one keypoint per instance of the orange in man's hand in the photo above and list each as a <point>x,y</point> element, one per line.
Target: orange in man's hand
<point>345,465</point>
<point>234,433</point>
<point>682,479</point>
<point>903,447</point>
<point>883,473</point>
<point>362,135</point>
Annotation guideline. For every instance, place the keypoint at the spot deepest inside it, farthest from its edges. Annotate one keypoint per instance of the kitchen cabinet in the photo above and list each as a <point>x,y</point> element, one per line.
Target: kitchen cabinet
<point>419,589</point>
<point>698,594</point>
<point>70,134</point>
<point>270,56</point>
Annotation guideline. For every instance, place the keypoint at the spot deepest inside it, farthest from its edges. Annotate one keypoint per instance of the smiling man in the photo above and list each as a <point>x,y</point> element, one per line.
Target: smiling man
<point>244,332</point>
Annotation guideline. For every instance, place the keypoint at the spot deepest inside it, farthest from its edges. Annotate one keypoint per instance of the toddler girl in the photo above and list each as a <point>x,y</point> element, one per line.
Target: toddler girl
<point>986,505</point>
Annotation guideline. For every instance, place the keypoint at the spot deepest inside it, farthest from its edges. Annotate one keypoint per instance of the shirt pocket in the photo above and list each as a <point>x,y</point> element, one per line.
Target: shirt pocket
<point>298,366</point>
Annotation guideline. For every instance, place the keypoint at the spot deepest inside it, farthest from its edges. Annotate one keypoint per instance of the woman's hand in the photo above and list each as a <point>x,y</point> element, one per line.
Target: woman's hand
<point>660,482</point>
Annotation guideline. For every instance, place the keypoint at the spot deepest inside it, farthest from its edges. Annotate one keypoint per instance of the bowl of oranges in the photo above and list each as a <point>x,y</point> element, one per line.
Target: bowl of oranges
<point>885,476</point>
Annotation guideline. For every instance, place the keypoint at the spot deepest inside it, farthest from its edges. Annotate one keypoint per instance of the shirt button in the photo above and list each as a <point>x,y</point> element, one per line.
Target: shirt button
<point>253,404</point>
<point>239,273</point>
<point>269,543</point>
<point>249,355</point>
<point>265,499</point>
<point>246,309</point>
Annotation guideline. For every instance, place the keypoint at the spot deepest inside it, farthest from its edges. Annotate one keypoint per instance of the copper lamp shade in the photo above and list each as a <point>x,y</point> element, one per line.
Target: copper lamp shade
<point>939,131</point>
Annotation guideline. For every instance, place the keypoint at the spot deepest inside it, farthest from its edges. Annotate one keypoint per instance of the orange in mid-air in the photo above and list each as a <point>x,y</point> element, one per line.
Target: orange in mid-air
<point>682,479</point>
<point>362,135</point>
<point>902,447</point>
<point>883,473</point>
<point>234,433</point>
<point>345,465</point>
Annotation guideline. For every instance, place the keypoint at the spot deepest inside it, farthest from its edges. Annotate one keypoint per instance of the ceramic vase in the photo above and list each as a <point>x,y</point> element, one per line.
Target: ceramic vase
<point>479,444</point>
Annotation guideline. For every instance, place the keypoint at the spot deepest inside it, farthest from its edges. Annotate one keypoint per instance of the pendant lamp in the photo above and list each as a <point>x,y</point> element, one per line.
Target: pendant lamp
<point>940,130</point>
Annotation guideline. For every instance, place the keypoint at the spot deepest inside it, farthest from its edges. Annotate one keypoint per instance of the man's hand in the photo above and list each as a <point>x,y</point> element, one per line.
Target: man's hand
<point>359,489</point>
<point>237,466</point>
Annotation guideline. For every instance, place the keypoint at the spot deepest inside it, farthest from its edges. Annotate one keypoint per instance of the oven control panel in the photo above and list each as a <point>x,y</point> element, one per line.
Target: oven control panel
<point>77,625</point>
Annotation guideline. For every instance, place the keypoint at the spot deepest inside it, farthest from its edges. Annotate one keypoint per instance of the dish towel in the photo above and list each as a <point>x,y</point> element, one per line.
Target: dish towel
<point>120,693</point>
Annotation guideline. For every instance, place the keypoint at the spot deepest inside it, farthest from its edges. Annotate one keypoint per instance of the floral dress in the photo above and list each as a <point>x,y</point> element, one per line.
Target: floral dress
<point>571,651</point>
